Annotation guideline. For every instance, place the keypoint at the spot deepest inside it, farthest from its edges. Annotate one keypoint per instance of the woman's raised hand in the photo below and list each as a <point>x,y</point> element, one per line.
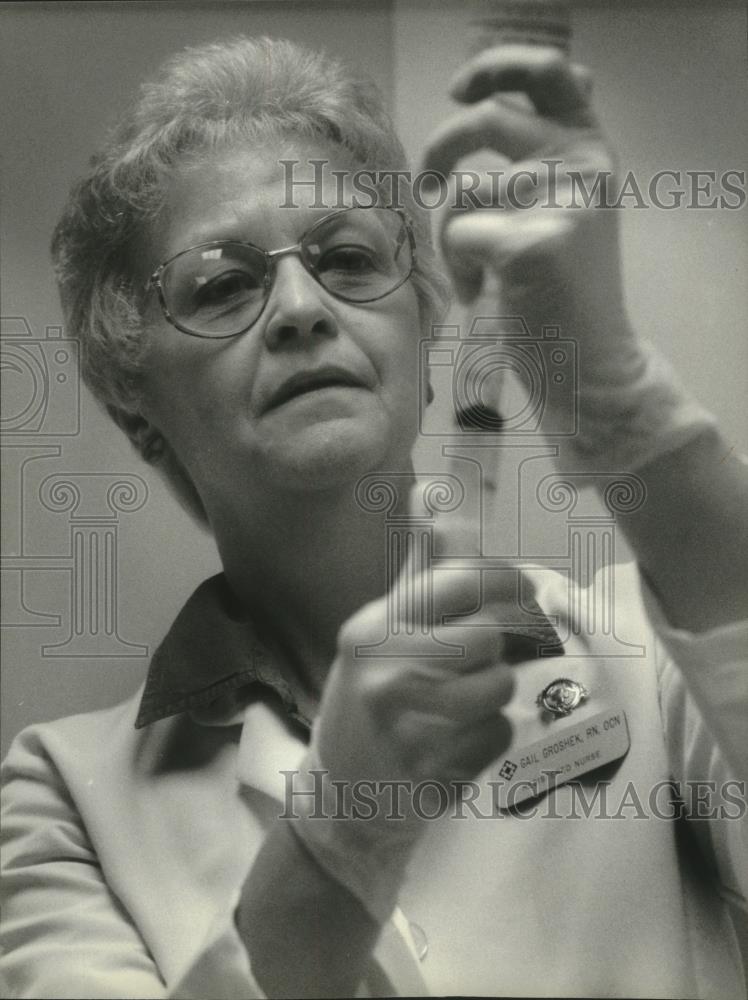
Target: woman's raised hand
<point>539,224</point>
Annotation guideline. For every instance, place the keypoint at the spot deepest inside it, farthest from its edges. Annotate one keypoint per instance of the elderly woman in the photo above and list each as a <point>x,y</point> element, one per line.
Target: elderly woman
<point>237,829</point>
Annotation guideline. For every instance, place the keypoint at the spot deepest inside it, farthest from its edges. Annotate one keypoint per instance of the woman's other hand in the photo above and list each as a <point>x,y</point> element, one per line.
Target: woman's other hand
<point>403,727</point>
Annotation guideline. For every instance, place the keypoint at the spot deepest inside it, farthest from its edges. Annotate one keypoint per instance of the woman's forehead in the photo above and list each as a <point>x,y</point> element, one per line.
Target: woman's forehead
<point>264,195</point>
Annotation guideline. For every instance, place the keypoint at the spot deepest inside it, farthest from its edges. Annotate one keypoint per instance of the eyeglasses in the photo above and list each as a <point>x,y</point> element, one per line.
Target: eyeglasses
<point>219,289</point>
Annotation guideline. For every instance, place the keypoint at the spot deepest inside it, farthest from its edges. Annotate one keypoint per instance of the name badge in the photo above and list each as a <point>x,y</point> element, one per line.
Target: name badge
<point>563,755</point>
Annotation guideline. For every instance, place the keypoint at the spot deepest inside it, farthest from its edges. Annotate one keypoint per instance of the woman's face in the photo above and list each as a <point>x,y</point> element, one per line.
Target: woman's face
<point>224,406</point>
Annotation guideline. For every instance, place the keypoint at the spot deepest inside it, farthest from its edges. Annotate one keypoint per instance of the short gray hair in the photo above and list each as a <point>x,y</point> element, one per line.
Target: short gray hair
<point>205,97</point>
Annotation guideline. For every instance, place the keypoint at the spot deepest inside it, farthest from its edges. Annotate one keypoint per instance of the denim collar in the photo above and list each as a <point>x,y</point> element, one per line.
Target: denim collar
<point>211,650</point>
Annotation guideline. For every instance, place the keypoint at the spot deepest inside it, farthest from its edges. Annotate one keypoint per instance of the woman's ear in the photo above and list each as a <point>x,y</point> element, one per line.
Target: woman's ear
<point>146,438</point>
<point>154,448</point>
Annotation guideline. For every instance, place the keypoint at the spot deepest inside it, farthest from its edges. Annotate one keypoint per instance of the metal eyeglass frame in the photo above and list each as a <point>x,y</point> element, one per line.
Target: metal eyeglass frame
<point>270,257</point>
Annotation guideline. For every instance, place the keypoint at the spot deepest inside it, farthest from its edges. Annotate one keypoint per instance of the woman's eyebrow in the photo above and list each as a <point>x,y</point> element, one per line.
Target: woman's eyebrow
<point>242,229</point>
<point>212,231</point>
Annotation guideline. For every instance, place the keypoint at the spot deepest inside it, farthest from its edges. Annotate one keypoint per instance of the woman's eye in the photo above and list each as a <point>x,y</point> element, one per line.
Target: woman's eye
<point>224,288</point>
<point>351,259</point>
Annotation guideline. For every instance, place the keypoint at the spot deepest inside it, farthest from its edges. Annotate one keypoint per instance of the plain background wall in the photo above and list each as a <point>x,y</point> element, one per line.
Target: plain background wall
<point>670,87</point>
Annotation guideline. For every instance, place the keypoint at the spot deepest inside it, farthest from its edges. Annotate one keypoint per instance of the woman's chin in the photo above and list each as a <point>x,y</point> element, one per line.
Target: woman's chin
<point>332,453</point>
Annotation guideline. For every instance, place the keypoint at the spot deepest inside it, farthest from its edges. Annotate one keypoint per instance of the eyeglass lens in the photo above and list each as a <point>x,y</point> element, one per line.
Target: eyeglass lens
<point>358,255</point>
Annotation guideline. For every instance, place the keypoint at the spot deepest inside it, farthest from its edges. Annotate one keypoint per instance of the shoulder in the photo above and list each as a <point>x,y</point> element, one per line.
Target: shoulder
<point>98,761</point>
<point>44,778</point>
<point>82,735</point>
<point>71,755</point>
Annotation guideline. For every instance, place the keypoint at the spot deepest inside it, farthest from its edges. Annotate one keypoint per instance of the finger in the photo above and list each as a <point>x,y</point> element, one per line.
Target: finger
<point>490,125</point>
<point>480,744</point>
<point>422,644</point>
<point>556,88</point>
<point>468,629</point>
<point>507,612</point>
<point>478,695</point>
<point>459,749</point>
<point>504,601</point>
<point>453,588</point>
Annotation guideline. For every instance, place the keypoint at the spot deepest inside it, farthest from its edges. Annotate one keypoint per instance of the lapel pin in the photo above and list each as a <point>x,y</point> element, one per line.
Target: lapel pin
<point>562,696</point>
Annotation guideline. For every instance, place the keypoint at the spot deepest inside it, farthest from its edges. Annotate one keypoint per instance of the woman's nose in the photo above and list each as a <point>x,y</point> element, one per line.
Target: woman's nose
<point>296,309</point>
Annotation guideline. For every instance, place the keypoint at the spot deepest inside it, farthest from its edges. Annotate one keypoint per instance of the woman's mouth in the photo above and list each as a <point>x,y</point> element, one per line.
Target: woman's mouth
<point>305,382</point>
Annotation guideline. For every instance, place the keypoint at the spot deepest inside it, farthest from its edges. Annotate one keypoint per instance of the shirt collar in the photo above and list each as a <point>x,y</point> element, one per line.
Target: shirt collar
<point>211,651</point>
